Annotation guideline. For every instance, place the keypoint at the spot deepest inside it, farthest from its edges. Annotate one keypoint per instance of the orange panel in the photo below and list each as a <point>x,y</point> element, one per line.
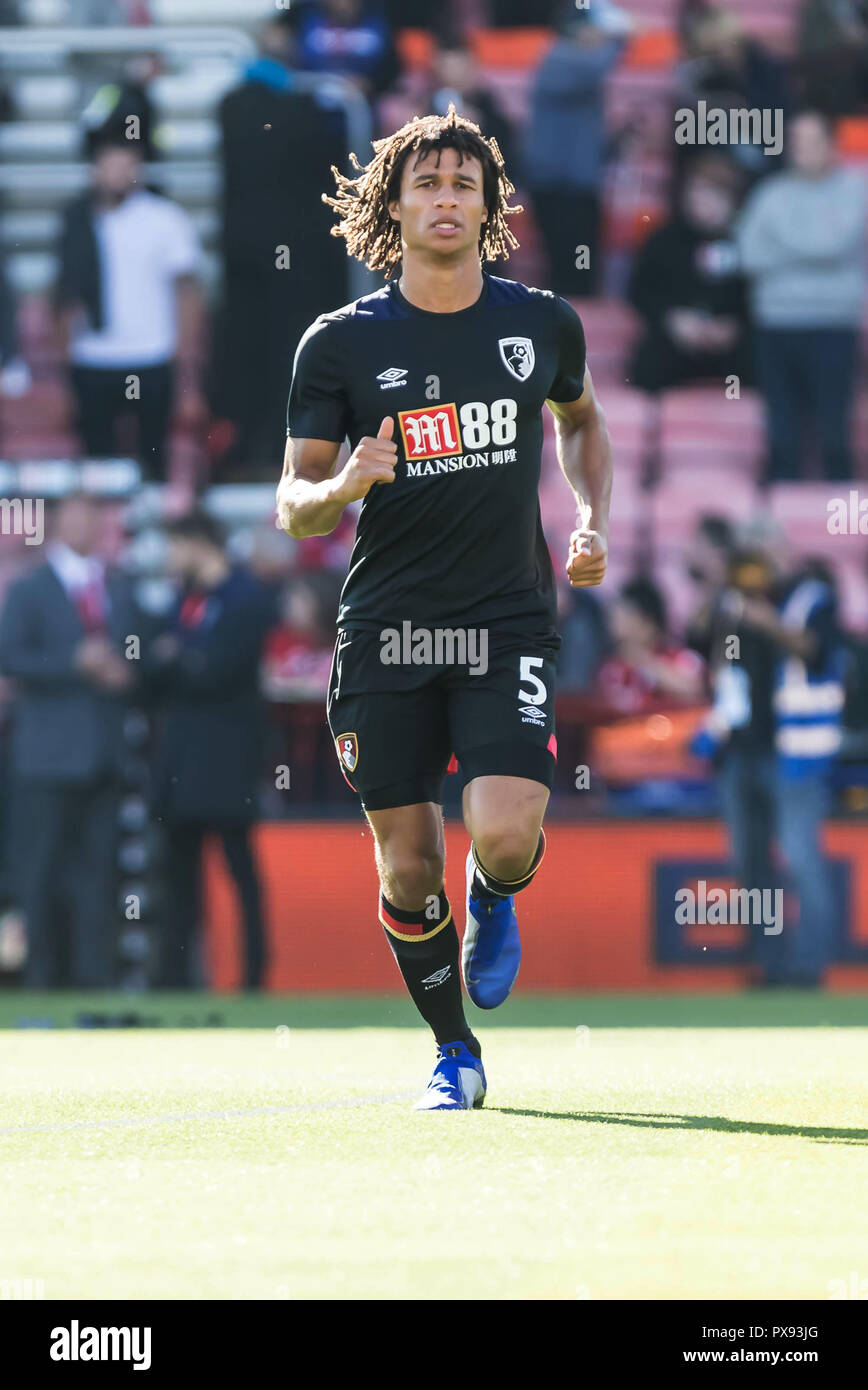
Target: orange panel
<point>586,922</point>
<point>415,48</point>
<point>511,48</point>
<point>852,136</point>
<point>657,48</point>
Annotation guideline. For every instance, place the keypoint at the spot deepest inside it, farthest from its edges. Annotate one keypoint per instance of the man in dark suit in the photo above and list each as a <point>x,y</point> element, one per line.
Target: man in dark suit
<point>63,634</point>
<point>204,673</point>
<point>277,148</point>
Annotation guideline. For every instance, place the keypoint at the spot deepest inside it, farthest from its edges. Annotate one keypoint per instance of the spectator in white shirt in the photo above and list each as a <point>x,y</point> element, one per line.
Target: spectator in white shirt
<point>129,308</point>
<point>802,240</point>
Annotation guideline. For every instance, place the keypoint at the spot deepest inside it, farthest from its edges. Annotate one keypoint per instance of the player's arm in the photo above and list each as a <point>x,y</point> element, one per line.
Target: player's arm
<point>311,498</point>
<point>585,456</point>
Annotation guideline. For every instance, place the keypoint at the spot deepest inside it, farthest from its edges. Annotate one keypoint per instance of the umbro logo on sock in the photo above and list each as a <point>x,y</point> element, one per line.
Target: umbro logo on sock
<point>438,977</point>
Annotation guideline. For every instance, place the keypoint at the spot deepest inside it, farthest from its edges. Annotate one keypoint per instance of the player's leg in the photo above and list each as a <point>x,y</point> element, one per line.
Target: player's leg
<point>392,745</point>
<point>417,917</point>
<point>503,816</point>
<point>419,926</point>
<point>502,724</point>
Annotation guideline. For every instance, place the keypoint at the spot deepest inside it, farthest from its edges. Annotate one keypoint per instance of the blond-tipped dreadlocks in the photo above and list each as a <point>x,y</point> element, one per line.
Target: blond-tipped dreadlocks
<point>372,235</point>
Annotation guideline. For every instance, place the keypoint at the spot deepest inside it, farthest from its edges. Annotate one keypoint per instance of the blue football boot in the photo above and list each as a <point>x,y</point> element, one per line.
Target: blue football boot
<point>491,952</point>
<point>457,1082</point>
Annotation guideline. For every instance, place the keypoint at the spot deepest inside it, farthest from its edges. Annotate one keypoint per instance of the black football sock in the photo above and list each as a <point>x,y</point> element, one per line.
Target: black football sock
<point>485,885</point>
<point>425,946</point>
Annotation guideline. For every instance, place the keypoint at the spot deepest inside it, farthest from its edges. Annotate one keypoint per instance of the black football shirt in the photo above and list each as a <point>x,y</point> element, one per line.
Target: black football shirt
<point>456,540</point>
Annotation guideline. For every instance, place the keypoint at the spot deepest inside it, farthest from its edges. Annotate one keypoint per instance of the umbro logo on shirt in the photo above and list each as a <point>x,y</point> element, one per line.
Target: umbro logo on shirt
<point>392,376</point>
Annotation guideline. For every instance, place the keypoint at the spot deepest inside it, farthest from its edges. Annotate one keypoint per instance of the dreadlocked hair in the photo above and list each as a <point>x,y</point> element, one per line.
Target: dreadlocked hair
<point>362,203</point>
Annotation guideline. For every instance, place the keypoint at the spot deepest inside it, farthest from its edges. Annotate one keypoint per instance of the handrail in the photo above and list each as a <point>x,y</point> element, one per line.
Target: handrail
<point>60,42</point>
<point>234,43</point>
<point>71,175</point>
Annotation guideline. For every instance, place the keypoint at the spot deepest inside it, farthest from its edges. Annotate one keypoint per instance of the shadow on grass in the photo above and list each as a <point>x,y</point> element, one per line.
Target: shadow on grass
<point>699,1122</point>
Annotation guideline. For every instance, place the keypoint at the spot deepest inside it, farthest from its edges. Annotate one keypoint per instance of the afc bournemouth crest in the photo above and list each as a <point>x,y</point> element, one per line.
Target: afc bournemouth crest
<point>348,750</point>
<point>518,356</point>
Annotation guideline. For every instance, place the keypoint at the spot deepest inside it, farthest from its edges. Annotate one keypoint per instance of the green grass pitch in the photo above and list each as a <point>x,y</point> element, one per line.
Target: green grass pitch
<point>682,1147</point>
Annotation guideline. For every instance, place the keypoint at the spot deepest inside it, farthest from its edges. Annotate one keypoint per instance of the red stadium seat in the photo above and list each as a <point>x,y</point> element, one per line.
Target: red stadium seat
<point>655,48</point>
<point>610,330</point>
<point>803,510</point>
<point>851,137</point>
<point>703,432</point>
<point>675,505</point>
<point>415,48</point>
<point>511,48</point>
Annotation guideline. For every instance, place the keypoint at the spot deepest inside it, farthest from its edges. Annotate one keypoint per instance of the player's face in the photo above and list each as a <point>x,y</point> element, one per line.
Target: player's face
<point>441,207</point>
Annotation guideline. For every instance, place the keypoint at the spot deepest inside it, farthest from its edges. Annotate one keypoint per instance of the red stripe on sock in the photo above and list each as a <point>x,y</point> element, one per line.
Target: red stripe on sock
<point>405,928</point>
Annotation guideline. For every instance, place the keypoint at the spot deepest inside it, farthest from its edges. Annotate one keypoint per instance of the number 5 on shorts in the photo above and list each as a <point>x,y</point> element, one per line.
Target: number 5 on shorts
<point>538,696</point>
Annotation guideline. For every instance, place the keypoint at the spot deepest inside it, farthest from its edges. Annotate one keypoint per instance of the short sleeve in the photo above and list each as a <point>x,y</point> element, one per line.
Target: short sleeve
<point>569,379</point>
<point>183,257</point>
<point>317,406</point>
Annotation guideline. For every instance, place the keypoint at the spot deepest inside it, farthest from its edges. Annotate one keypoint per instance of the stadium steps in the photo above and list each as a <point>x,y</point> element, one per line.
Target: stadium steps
<point>703,432</point>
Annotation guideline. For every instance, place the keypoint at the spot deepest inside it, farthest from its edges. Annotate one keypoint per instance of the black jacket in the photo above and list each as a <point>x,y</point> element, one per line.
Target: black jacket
<point>79,279</point>
<point>675,270</point>
<point>209,750</point>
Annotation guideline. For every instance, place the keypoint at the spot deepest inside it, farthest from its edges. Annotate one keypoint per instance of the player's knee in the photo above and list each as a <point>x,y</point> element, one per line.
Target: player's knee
<point>411,875</point>
<point>506,851</point>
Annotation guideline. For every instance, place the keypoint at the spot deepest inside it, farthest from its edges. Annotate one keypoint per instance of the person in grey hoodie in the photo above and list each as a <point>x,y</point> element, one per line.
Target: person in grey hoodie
<point>802,240</point>
<point>566,142</point>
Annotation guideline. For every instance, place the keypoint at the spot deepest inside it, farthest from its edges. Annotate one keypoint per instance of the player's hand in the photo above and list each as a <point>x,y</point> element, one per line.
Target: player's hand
<point>372,461</point>
<point>588,555</point>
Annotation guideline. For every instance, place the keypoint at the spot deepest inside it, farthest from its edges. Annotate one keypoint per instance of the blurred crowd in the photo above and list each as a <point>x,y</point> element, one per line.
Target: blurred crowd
<point>756,269</point>
<point>120,763</point>
<point>162,707</point>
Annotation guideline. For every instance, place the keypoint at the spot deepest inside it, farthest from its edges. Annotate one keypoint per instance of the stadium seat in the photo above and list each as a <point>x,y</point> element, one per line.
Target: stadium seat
<point>610,330</point>
<point>852,579</point>
<point>415,49</point>
<point>703,432</point>
<point>675,505</point>
<point>653,48</point>
<point>523,49</point>
<point>852,137</point>
<point>803,510</point>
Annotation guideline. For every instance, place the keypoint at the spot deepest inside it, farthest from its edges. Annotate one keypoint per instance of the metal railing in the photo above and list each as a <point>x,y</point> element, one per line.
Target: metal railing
<point>51,48</point>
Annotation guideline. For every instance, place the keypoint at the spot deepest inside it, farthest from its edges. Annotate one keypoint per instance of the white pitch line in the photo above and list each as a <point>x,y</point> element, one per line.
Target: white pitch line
<point>174,1119</point>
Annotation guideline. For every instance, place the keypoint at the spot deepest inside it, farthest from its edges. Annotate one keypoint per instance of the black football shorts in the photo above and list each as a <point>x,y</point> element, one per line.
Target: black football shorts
<point>398,724</point>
